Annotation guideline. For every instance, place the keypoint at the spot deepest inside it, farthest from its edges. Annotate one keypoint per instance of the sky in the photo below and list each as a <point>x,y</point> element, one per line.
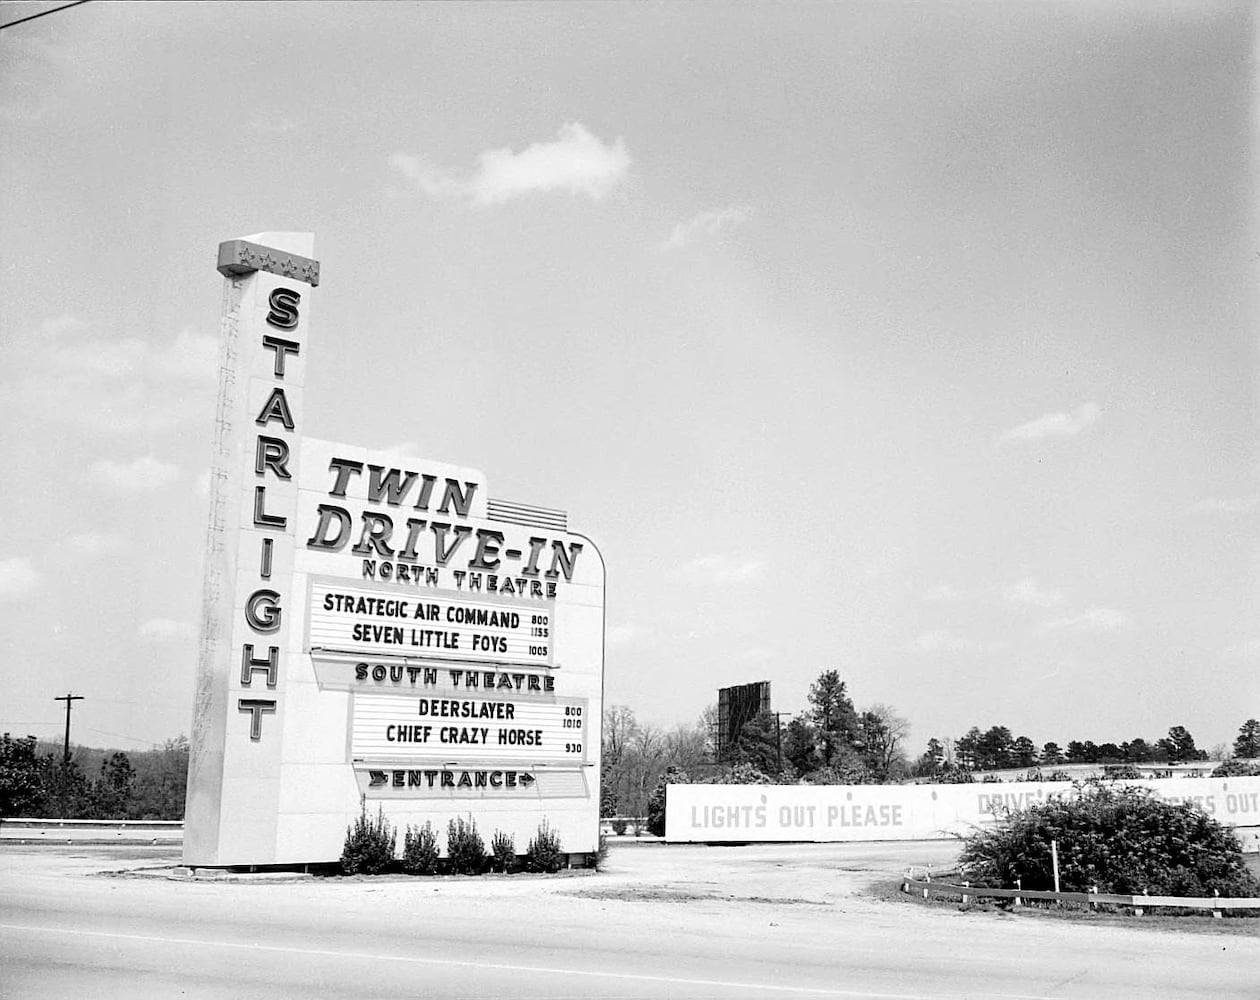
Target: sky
<point>913,341</point>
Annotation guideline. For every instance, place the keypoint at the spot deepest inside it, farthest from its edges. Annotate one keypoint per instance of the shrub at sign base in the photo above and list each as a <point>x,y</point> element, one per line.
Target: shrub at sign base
<point>544,854</point>
<point>464,847</point>
<point>369,847</point>
<point>420,850</point>
<point>1115,839</point>
<point>503,849</point>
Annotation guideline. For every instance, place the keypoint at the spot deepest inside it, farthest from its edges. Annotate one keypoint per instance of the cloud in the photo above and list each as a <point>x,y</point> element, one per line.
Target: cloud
<point>17,578</point>
<point>1249,650</point>
<point>1095,619</point>
<point>407,448</point>
<point>723,569</point>
<point>712,223</point>
<point>145,473</point>
<point>114,384</point>
<point>166,630</point>
<point>1027,592</point>
<point>1230,505</point>
<point>944,592</point>
<point>1055,424</point>
<point>757,654</point>
<point>95,543</point>
<point>942,641</point>
<point>575,162</point>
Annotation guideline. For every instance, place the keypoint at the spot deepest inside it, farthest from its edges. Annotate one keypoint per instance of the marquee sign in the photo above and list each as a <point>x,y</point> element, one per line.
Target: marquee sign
<point>480,729</point>
<point>377,628</point>
<point>442,625</point>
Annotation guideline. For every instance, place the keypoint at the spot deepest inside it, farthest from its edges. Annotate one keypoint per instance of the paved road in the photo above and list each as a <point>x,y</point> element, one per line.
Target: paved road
<point>679,922</point>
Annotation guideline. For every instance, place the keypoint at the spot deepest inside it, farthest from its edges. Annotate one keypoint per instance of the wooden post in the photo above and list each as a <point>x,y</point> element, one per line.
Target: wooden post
<point>1216,909</point>
<point>1019,884</point>
<point>1054,860</point>
<point>966,885</point>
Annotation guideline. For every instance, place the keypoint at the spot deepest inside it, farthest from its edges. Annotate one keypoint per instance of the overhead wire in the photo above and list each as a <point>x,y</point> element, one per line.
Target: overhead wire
<point>42,13</point>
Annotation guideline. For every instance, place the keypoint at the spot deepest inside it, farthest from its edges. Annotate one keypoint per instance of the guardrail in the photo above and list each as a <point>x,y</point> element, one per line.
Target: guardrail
<point>111,831</point>
<point>1139,903</point>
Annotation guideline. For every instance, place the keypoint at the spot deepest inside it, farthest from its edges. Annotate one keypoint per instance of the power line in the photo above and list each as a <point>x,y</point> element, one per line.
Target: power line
<point>42,13</point>
<point>125,736</point>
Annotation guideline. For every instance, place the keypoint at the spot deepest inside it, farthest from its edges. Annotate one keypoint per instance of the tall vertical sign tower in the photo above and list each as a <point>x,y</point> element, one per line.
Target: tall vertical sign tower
<point>235,771</point>
<point>377,630</point>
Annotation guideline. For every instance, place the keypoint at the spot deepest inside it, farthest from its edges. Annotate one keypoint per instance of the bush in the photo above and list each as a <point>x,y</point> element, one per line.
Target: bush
<point>503,847</point>
<point>464,847</point>
<point>1119,838</point>
<point>953,774</point>
<point>1235,769</point>
<point>420,850</point>
<point>673,775</point>
<point>619,827</point>
<point>369,846</point>
<point>544,854</point>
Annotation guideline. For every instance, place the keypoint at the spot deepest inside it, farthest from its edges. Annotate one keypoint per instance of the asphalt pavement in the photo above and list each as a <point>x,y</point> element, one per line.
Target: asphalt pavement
<point>661,921</point>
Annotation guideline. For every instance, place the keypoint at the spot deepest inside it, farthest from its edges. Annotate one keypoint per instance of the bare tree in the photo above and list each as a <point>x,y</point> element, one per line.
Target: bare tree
<point>884,734</point>
<point>687,747</point>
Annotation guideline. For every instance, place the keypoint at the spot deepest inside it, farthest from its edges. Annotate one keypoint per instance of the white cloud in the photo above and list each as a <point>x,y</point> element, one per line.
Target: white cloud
<point>757,654</point>
<point>407,448</point>
<point>166,630</point>
<point>1249,650</point>
<point>944,592</point>
<point>576,162</point>
<point>146,473</point>
<point>941,640</point>
<point>1027,592</point>
<point>1055,424</point>
<point>17,578</point>
<point>95,543</point>
<point>1095,619</point>
<point>1224,505</point>
<point>723,569</point>
<point>113,384</point>
<point>712,223</point>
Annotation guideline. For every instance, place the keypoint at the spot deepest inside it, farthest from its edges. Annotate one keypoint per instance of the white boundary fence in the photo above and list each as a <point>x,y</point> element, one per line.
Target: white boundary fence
<point>112,831</point>
<point>1139,904</point>
<point>825,813</point>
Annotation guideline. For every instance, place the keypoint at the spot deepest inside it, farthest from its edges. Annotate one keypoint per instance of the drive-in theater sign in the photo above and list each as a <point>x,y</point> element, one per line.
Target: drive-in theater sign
<point>377,629</point>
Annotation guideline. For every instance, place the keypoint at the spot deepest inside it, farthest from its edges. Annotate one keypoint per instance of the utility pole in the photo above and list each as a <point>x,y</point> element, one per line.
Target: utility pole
<point>68,698</point>
<point>778,736</point>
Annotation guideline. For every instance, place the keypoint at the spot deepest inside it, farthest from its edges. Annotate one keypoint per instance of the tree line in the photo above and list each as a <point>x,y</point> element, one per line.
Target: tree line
<point>830,741</point>
<point>36,781</point>
<point>997,749</point>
